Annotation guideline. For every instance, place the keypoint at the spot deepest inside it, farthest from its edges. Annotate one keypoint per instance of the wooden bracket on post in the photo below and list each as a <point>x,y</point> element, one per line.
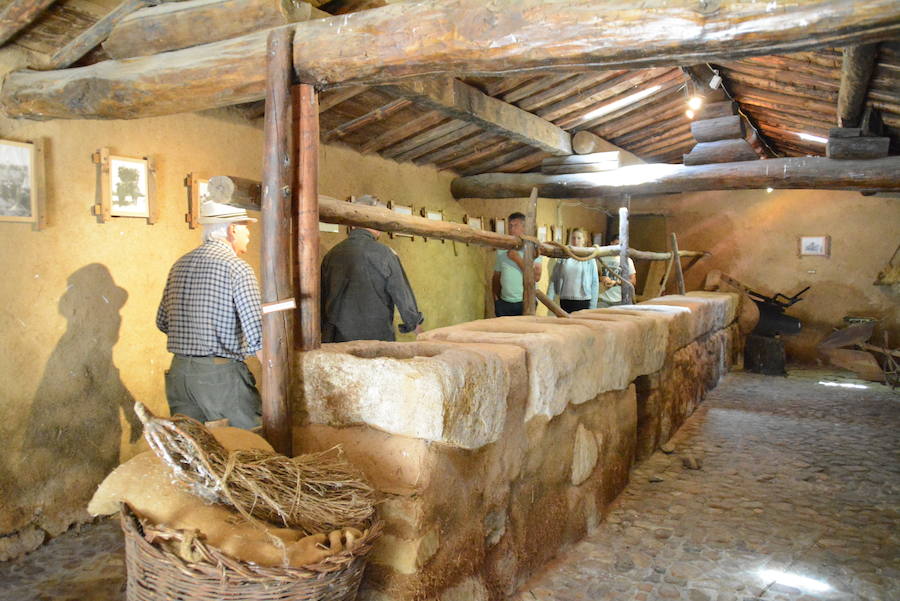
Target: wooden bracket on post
<point>679,274</point>
<point>101,208</point>
<point>528,255</point>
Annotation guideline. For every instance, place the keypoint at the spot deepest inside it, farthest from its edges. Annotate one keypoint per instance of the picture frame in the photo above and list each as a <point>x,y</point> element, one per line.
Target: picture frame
<point>476,223</point>
<point>814,246</point>
<point>401,210</point>
<point>542,233</point>
<point>499,225</point>
<point>433,216</point>
<point>22,189</point>
<point>558,232</point>
<point>197,185</point>
<point>329,228</point>
<point>597,239</point>
<point>127,187</point>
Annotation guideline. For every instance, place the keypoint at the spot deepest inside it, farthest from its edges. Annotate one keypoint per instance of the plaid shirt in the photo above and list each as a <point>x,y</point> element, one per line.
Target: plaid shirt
<point>211,304</point>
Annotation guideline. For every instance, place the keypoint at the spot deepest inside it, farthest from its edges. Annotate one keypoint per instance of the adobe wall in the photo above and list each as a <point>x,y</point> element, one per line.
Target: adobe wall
<point>494,443</point>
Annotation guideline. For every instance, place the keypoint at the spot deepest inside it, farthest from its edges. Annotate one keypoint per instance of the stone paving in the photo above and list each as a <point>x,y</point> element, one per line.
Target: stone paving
<point>797,497</point>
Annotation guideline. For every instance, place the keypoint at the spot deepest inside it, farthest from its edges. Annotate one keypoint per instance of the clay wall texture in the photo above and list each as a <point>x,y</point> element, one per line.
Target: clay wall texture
<point>753,236</point>
<point>79,298</point>
<point>494,443</point>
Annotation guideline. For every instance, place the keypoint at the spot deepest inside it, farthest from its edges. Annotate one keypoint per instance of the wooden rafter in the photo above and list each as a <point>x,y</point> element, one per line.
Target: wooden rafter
<point>804,173</point>
<point>367,119</point>
<point>856,70</point>
<point>18,14</point>
<point>528,35</point>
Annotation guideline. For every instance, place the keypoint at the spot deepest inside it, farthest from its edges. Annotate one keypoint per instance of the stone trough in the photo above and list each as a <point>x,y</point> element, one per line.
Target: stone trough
<point>494,443</point>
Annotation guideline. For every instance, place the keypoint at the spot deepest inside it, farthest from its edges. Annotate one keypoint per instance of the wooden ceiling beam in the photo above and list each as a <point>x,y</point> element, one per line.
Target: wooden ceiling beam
<point>436,144</point>
<point>856,71</point>
<point>770,84</point>
<point>373,116</point>
<point>597,93</point>
<point>461,146</point>
<point>669,107</point>
<point>769,99</point>
<point>830,83</point>
<point>663,94</point>
<point>475,155</point>
<point>798,173</point>
<point>573,86</point>
<point>461,101</point>
<point>332,98</point>
<point>499,161</point>
<point>407,130</point>
<point>432,37</point>
<point>19,14</point>
<point>401,149</point>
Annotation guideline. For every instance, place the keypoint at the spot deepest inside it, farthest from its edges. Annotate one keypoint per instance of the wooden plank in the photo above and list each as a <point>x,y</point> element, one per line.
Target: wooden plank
<point>529,255</point>
<point>856,71</point>
<point>857,148</point>
<point>466,103</point>
<point>791,173</point>
<point>460,143</point>
<point>177,25</point>
<point>626,81</point>
<point>500,161</point>
<point>723,151</point>
<point>550,304</point>
<point>568,88</point>
<point>18,14</point>
<point>367,119</point>
<point>679,274</point>
<point>474,157</point>
<point>774,100</point>
<point>720,128</point>
<point>276,268</point>
<point>580,159</point>
<point>377,46</point>
<point>333,98</point>
<point>403,132</point>
<point>716,110</point>
<point>88,39</point>
<point>407,148</point>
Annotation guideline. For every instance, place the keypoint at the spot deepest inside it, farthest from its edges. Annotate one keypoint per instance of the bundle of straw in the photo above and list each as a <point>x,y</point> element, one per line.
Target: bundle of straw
<point>316,492</point>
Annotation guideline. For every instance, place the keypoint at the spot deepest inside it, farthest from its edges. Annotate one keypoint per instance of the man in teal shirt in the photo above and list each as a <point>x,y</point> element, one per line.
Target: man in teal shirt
<point>507,282</point>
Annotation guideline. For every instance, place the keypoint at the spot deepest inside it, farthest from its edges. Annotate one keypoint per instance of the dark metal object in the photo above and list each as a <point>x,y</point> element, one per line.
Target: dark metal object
<point>772,319</point>
<point>764,355</point>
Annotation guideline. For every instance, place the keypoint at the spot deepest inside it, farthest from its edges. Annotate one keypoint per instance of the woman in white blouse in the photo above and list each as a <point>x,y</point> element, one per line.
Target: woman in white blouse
<point>575,283</point>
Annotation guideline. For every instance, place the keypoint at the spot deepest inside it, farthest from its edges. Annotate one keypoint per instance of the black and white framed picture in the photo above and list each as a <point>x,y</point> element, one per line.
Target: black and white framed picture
<point>129,187</point>
<point>18,181</point>
<point>401,210</point>
<point>815,246</point>
<point>500,225</point>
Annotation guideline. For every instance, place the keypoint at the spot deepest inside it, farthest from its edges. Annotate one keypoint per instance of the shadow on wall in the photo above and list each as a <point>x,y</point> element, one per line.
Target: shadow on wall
<point>73,433</point>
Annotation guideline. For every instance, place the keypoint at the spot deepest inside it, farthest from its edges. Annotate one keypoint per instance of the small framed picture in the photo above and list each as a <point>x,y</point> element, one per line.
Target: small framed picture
<point>331,228</point>
<point>476,223</point>
<point>127,187</point>
<point>815,246</point>
<point>558,233</point>
<point>198,192</point>
<point>433,216</point>
<point>597,239</point>
<point>542,233</point>
<point>21,182</point>
<point>500,225</point>
<point>401,210</point>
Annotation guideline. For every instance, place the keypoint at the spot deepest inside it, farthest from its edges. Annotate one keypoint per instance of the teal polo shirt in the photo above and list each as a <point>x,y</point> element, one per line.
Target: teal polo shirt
<point>511,286</point>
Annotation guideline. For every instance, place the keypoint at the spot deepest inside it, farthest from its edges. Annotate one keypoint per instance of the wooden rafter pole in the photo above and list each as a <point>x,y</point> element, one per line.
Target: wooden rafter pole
<point>307,107</point>
<point>278,326</point>
<point>550,304</point>
<point>18,14</point>
<point>433,37</point>
<point>627,291</point>
<point>856,71</point>
<point>790,173</point>
<point>528,256</point>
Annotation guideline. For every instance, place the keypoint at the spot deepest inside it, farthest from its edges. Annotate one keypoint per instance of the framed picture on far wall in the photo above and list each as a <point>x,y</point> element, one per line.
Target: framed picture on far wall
<point>401,210</point>
<point>815,246</point>
<point>129,187</point>
<point>21,181</point>
<point>500,225</point>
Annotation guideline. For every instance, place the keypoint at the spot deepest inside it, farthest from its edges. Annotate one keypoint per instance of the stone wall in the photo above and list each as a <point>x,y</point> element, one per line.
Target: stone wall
<point>494,443</point>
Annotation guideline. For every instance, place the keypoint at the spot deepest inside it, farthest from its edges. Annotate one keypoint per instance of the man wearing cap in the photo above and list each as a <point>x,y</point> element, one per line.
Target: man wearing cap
<point>211,312</point>
<point>362,281</point>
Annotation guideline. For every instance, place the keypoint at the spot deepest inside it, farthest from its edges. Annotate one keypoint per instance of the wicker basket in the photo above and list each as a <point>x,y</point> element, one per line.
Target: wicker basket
<point>155,574</point>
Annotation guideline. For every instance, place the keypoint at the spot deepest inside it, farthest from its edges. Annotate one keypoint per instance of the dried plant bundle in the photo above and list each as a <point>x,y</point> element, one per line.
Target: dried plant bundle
<point>316,492</point>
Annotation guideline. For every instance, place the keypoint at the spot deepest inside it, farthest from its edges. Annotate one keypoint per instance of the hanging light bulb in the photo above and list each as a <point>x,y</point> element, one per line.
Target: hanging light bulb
<point>689,113</point>
<point>770,190</point>
<point>695,103</point>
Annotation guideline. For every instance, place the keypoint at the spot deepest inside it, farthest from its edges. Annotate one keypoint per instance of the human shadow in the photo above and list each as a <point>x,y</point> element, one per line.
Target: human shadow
<point>73,434</point>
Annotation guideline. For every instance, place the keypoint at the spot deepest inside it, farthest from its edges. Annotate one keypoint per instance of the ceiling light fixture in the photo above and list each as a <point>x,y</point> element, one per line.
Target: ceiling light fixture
<point>770,190</point>
<point>812,138</point>
<point>689,113</point>
<point>695,103</point>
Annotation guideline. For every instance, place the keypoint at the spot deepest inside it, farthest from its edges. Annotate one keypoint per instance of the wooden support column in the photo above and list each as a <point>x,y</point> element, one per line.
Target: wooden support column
<point>679,275</point>
<point>278,326</point>
<point>627,291</point>
<point>529,253</point>
<point>308,289</point>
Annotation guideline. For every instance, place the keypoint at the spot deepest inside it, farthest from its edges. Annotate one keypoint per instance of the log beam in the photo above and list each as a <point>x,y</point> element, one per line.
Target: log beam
<point>791,173</point>
<point>18,14</point>
<point>856,71</point>
<point>435,37</point>
<point>461,101</point>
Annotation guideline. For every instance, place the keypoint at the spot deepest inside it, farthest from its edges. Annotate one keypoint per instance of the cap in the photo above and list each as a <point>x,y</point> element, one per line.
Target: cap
<point>217,212</point>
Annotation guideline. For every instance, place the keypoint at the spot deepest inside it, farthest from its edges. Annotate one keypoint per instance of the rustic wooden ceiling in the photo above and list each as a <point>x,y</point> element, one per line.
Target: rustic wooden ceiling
<point>641,111</point>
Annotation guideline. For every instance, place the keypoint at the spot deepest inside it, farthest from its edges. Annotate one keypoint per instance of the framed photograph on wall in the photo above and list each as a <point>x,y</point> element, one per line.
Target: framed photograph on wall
<point>542,233</point>
<point>401,210</point>
<point>198,192</point>
<point>597,239</point>
<point>500,225</point>
<point>558,233</point>
<point>127,187</point>
<point>433,216</point>
<point>21,181</point>
<point>476,223</point>
<point>815,246</point>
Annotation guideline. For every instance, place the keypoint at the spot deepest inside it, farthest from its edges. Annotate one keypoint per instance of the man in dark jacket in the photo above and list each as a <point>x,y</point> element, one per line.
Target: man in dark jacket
<point>362,282</point>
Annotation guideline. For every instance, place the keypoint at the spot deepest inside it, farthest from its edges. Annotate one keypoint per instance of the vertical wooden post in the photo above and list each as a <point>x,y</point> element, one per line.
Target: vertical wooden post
<point>310,332</point>
<point>627,294</point>
<point>278,328</point>
<point>679,274</point>
<point>528,256</point>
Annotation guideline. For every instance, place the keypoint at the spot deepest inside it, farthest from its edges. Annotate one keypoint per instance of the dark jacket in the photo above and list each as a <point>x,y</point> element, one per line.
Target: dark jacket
<point>362,281</point>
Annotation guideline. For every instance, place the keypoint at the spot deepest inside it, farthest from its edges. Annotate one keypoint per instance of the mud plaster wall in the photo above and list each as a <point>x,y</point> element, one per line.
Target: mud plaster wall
<point>79,298</point>
<point>753,236</point>
<point>569,214</point>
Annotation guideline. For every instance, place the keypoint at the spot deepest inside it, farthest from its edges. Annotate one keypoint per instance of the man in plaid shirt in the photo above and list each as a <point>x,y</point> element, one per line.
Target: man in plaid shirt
<point>211,312</point>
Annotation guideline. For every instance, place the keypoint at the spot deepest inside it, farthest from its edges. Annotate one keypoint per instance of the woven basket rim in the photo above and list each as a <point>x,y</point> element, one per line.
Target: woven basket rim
<point>218,565</point>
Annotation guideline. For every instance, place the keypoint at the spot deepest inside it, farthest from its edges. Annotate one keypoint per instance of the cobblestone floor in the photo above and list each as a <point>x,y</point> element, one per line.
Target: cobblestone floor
<point>797,498</point>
